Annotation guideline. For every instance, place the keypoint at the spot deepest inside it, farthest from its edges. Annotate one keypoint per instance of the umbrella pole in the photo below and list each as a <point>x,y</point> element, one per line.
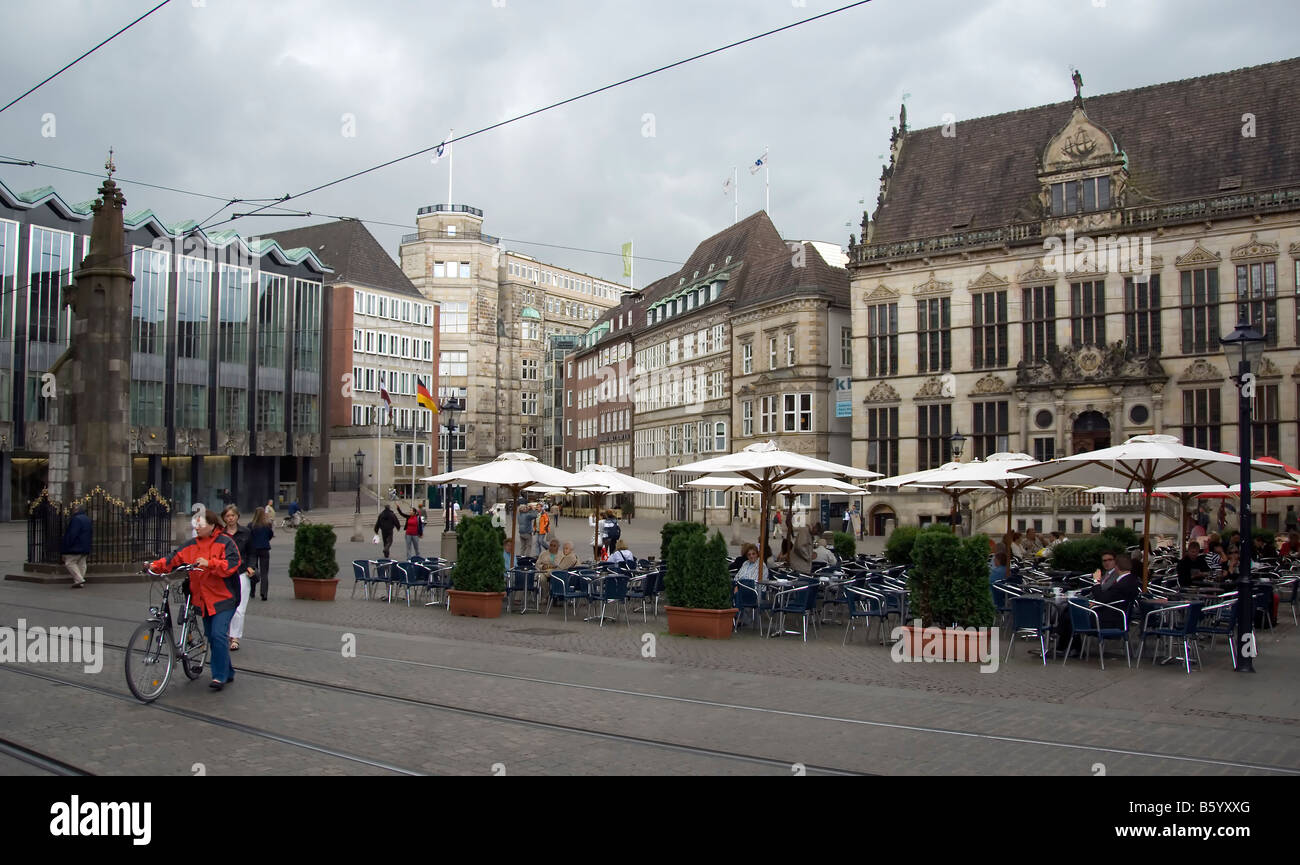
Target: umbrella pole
<point>1146,535</point>
<point>762,535</point>
<point>1011,499</point>
<point>514,523</point>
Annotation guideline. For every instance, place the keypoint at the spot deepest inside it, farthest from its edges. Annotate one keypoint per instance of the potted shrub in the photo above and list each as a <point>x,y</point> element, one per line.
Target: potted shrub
<point>314,567</point>
<point>671,531</point>
<point>846,547</point>
<point>898,548</point>
<point>1084,554</point>
<point>698,586</point>
<point>479,575</point>
<point>948,586</point>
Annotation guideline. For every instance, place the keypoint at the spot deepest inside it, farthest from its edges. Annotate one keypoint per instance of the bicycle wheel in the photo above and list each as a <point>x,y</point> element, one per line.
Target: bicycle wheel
<point>149,659</point>
<point>195,653</point>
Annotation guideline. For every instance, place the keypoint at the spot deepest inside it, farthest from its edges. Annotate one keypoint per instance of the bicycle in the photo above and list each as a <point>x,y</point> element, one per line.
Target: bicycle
<point>152,651</point>
<point>293,522</point>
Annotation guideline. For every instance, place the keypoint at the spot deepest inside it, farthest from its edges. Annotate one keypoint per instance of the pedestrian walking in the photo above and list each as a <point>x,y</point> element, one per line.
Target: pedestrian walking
<point>76,546</point>
<point>855,520</point>
<point>247,574</point>
<point>214,587</point>
<point>527,520</point>
<point>270,510</point>
<point>542,530</point>
<point>260,534</point>
<point>412,531</point>
<point>610,533</point>
<point>385,526</point>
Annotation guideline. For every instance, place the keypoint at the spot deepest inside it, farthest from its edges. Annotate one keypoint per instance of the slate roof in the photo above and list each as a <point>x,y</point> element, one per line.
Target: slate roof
<point>1181,139</point>
<point>357,258</point>
<point>766,270</point>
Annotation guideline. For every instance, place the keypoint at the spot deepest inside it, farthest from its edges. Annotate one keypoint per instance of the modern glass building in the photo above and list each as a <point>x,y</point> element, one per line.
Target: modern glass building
<point>227,355</point>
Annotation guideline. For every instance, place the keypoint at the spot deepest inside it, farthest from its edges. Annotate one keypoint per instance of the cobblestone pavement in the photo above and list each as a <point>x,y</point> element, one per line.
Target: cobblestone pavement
<point>819,704</point>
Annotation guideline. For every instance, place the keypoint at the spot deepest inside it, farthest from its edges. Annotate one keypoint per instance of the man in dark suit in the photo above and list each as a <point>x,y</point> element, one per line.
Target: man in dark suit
<point>1116,586</point>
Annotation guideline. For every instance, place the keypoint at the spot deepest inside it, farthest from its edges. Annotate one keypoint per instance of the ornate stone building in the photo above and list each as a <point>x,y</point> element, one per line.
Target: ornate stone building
<point>1057,279</point>
<point>498,312</point>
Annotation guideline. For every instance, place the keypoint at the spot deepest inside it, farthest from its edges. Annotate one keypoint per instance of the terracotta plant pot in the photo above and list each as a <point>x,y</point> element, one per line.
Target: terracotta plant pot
<point>480,605</point>
<point>945,644</point>
<point>314,590</point>
<point>690,622</point>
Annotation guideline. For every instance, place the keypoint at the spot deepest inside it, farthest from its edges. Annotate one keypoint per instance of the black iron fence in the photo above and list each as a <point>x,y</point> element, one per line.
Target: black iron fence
<point>121,533</point>
<point>344,477</point>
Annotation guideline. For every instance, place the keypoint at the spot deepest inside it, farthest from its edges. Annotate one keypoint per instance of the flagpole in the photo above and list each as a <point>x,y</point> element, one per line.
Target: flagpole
<point>451,165</point>
<point>379,456</point>
<point>632,266</point>
<point>767,178</point>
<point>735,187</point>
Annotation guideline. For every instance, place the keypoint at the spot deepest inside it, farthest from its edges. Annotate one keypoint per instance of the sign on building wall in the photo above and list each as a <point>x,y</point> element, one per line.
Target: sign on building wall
<point>844,396</point>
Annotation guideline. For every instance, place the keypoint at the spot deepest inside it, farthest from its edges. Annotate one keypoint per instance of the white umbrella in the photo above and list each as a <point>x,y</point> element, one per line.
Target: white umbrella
<point>768,467</point>
<point>1147,463</point>
<point>796,486</point>
<point>599,480</point>
<point>513,470</point>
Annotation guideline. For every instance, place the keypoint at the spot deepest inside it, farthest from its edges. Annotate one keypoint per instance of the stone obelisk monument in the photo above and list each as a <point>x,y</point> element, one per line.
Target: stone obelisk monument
<point>94,376</point>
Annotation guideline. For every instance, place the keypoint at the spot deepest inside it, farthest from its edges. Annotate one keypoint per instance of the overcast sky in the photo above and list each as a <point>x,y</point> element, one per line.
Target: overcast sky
<point>246,99</point>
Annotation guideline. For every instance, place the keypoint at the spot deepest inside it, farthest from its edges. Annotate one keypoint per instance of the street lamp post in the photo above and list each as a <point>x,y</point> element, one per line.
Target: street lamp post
<point>449,408</point>
<point>957,442</point>
<point>360,457</point>
<point>1245,347</point>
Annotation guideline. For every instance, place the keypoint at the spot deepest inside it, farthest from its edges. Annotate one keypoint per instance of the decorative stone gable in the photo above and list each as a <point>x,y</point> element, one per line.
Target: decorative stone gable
<point>987,281</point>
<point>990,384</point>
<point>1198,256</point>
<point>1201,370</point>
<point>880,294</point>
<point>882,392</point>
<point>934,389</point>
<point>932,288</point>
<point>1254,249</point>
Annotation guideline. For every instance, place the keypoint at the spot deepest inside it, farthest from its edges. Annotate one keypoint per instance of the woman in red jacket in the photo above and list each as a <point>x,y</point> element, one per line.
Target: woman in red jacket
<point>214,587</point>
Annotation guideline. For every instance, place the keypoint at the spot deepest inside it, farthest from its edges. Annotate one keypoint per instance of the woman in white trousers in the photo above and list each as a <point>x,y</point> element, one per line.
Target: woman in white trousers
<point>230,516</point>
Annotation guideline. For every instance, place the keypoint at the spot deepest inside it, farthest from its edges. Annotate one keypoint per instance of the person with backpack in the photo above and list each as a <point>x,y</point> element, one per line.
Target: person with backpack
<point>542,529</point>
<point>610,533</point>
<point>76,546</point>
<point>527,520</point>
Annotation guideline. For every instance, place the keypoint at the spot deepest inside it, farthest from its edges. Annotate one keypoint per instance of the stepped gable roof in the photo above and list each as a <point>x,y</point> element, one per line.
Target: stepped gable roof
<point>1181,139</point>
<point>356,256</point>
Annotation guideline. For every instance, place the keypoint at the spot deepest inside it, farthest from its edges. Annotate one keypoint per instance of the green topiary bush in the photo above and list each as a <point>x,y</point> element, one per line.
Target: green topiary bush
<point>313,553</point>
<point>1122,535</point>
<point>1270,538</point>
<point>846,547</point>
<point>672,530</point>
<point>898,549</point>
<point>1083,555</point>
<point>480,562</point>
<point>949,581</point>
<point>697,574</point>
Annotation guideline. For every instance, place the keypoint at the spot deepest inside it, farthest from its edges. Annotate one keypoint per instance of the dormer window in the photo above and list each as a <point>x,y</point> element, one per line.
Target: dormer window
<point>1081,196</point>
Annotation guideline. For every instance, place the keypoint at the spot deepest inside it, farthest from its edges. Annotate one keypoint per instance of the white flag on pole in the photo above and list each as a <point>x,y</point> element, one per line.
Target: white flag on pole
<point>439,153</point>
<point>758,163</point>
<point>726,186</point>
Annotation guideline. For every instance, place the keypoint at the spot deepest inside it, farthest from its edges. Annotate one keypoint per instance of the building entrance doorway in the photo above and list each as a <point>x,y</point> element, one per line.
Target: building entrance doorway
<point>880,515</point>
<point>1091,432</point>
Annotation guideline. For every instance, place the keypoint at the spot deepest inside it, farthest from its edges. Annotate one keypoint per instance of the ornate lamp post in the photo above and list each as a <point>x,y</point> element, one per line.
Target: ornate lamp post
<point>1245,348</point>
<point>449,407</point>
<point>360,457</point>
<point>957,443</point>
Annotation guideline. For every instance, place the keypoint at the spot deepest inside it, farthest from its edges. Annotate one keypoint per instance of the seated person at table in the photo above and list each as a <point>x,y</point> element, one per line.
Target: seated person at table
<point>1214,557</point>
<point>781,559</point>
<point>1291,547</point>
<point>622,554</point>
<point>1231,566</point>
<point>1016,549</point>
<point>822,552</point>
<point>1107,569</point>
<point>1263,551</point>
<point>1033,544</point>
<point>1192,567</point>
<point>997,573</point>
<point>1118,588</point>
<point>547,562</point>
<point>751,569</point>
<point>508,556</point>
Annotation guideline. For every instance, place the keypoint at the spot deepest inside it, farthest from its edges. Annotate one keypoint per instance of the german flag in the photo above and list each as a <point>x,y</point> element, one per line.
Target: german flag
<point>424,399</point>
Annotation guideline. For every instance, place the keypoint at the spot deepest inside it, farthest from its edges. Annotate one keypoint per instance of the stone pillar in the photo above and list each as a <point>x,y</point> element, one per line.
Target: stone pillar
<point>1060,423</point>
<point>1118,421</point>
<point>155,472</point>
<point>95,373</point>
<point>273,483</point>
<point>1158,408</point>
<point>1024,422</point>
<point>198,491</point>
<point>6,487</point>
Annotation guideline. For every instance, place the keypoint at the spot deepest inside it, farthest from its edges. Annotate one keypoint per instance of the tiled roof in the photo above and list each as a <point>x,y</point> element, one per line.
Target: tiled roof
<point>1181,139</point>
<point>357,258</point>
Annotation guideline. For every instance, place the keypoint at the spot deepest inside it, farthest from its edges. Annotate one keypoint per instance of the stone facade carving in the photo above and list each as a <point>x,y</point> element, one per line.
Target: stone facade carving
<point>987,280</point>
<point>1037,273</point>
<point>1201,370</point>
<point>1198,256</point>
<point>1254,248</point>
<point>1268,369</point>
<point>148,440</point>
<point>933,389</point>
<point>881,294</point>
<point>882,392</point>
<point>233,442</point>
<point>931,287</point>
<point>1090,365</point>
<point>990,384</point>
<point>307,445</point>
